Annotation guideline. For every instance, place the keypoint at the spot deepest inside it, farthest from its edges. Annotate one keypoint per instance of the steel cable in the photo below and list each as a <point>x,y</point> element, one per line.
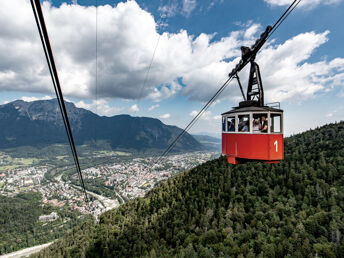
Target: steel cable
<point>39,18</point>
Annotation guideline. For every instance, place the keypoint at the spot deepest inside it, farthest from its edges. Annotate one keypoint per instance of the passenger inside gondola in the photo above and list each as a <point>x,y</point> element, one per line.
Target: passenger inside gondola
<point>256,125</point>
<point>231,124</point>
<point>244,125</point>
<point>264,125</point>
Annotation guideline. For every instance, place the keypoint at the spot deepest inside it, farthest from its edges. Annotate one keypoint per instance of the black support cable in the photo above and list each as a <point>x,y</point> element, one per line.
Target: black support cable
<point>149,68</point>
<point>280,20</point>
<point>194,120</point>
<point>96,81</point>
<point>231,76</point>
<point>39,18</point>
<point>283,17</point>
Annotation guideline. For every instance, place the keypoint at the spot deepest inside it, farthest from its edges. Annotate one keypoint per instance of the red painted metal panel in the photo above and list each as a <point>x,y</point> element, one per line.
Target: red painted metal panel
<point>266,147</point>
<point>224,140</point>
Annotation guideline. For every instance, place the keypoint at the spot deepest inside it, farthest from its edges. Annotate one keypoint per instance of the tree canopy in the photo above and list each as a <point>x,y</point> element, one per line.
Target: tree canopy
<point>294,208</point>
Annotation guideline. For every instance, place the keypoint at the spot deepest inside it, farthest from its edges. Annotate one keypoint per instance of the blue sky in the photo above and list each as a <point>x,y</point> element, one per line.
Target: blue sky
<point>302,64</point>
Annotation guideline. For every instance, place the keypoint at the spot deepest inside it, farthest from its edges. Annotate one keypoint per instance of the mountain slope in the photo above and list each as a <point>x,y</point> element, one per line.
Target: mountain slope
<point>39,123</point>
<point>293,209</point>
<point>211,143</point>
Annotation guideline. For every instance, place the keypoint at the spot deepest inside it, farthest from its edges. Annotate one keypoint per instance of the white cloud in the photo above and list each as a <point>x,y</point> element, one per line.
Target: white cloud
<point>153,107</point>
<point>165,91</point>
<point>201,63</point>
<point>213,3</point>
<point>100,107</point>
<point>193,113</point>
<point>189,6</point>
<point>303,3</point>
<point>134,108</point>
<point>30,99</point>
<point>207,116</point>
<point>291,76</point>
<point>217,117</point>
<point>169,10</point>
<point>165,116</point>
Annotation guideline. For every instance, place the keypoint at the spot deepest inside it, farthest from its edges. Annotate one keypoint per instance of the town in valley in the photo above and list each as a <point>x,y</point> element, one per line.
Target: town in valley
<point>108,185</point>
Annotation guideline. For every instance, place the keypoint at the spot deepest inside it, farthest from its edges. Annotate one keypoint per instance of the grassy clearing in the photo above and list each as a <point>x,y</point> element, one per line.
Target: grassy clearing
<point>28,161</point>
<point>61,157</point>
<point>112,153</point>
<point>11,163</point>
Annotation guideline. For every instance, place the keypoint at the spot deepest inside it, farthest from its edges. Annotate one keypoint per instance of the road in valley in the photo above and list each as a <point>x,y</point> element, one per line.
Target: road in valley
<point>26,252</point>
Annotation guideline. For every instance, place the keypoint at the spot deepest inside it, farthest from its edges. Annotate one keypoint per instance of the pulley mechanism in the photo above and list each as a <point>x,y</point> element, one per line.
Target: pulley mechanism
<point>255,92</point>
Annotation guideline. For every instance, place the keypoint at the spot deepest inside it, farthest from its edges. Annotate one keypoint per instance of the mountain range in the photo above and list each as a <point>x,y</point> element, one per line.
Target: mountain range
<point>40,123</point>
<point>209,142</point>
<point>291,209</point>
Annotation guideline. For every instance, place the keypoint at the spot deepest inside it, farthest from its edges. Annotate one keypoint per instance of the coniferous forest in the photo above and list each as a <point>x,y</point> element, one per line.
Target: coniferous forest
<point>19,224</point>
<point>292,209</point>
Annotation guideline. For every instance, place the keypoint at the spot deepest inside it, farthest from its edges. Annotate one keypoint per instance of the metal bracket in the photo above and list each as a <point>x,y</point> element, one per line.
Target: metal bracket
<point>242,91</point>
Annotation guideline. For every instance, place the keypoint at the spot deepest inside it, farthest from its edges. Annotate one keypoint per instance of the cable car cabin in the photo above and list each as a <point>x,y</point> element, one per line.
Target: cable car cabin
<point>253,134</point>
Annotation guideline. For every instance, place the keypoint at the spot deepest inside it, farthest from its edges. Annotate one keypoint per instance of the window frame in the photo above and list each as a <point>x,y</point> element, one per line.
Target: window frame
<point>235,123</point>
<point>281,122</point>
<point>251,113</point>
<point>249,122</point>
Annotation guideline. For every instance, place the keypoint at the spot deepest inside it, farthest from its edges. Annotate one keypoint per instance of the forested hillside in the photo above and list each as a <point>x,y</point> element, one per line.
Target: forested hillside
<point>20,226</point>
<point>293,209</point>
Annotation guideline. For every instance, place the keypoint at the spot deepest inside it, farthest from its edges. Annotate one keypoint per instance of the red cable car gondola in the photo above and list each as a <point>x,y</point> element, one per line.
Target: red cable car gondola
<point>252,131</point>
<point>244,137</point>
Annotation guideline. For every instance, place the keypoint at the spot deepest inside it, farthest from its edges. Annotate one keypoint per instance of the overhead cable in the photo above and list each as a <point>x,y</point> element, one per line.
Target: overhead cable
<point>194,120</point>
<point>96,81</point>
<point>284,16</point>
<point>43,33</point>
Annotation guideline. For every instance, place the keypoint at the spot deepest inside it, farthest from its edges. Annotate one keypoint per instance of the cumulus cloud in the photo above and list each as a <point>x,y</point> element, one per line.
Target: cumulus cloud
<point>165,116</point>
<point>153,107</point>
<point>193,66</point>
<point>304,3</point>
<point>122,59</point>
<point>134,108</point>
<point>100,107</point>
<point>165,91</point>
<point>30,99</point>
<point>292,77</point>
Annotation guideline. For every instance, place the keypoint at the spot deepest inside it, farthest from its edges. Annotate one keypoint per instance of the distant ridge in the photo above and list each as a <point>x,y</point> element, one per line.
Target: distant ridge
<point>39,123</point>
<point>210,142</point>
<point>291,209</point>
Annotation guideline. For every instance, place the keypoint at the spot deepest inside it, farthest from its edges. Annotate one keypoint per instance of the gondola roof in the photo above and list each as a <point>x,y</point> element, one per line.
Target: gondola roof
<point>252,109</point>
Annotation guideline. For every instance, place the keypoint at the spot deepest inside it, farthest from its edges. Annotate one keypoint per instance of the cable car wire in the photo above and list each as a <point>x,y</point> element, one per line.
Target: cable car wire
<point>149,67</point>
<point>96,79</point>
<point>194,120</point>
<point>283,17</point>
<point>231,76</point>
<point>43,33</point>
